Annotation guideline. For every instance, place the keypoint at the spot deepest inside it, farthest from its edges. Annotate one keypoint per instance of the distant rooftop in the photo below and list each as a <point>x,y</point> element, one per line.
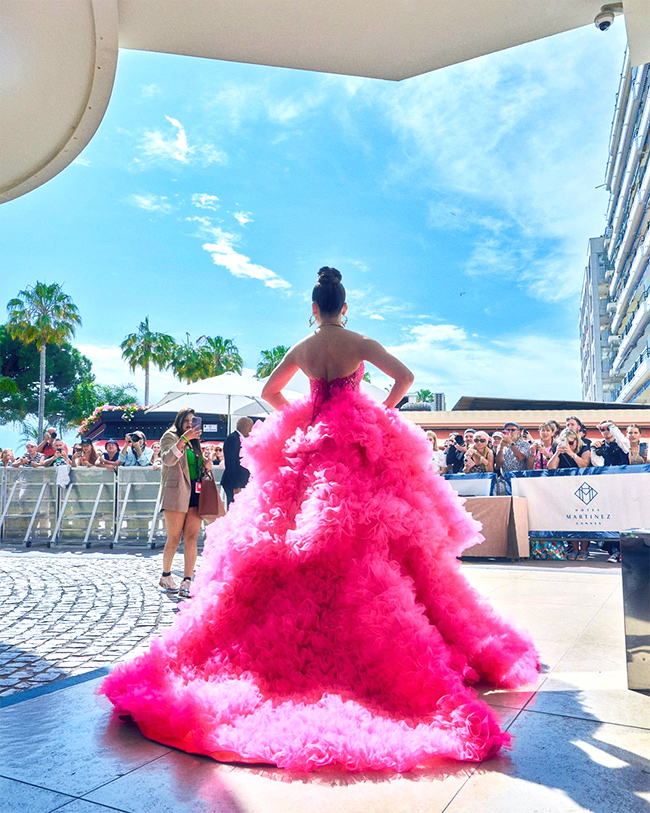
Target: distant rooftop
<point>485,404</point>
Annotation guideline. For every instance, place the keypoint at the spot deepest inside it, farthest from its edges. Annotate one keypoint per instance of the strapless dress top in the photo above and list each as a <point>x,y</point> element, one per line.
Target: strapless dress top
<point>321,389</point>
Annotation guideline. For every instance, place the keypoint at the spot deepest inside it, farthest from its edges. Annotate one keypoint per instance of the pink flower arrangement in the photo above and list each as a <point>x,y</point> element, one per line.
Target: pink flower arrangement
<point>129,411</point>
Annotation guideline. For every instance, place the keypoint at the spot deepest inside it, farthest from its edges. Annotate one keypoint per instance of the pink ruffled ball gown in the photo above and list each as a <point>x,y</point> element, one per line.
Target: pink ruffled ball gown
<point>330,622</point>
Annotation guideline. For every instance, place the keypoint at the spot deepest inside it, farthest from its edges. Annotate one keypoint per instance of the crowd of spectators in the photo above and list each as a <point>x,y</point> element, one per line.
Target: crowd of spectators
<point>134,452</point>
<point>556,447</point>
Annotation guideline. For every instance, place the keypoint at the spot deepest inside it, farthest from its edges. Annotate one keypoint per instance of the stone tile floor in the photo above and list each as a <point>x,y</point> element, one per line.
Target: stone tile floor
<point>581,739</point>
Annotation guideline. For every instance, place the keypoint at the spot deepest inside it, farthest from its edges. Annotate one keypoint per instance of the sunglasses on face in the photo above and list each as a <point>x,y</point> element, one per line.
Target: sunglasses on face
<point>603,428</point>
<point>480,440</point>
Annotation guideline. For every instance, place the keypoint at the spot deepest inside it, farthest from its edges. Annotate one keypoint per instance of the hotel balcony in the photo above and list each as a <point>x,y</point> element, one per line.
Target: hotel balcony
<point>636,377</point>
<point>638,267</point>
<point>639,320</point>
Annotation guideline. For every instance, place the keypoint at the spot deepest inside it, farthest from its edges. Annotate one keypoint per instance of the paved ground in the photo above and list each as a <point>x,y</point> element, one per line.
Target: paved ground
<point>67,612</point>
<point>581,739</point>
<point>64,613</point>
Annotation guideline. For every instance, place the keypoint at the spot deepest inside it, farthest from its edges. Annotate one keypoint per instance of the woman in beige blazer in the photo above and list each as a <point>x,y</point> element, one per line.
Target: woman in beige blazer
<point>183,466</point>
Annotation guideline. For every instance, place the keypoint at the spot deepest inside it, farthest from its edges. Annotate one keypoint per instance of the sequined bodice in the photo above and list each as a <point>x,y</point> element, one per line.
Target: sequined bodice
<point>321,389</point>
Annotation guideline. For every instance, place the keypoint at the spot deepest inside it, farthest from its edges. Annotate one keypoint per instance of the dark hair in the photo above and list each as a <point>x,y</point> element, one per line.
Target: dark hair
<point>177,426</point>
<point>93,452</point>
<point>575,418</point>
<point>329,293</point>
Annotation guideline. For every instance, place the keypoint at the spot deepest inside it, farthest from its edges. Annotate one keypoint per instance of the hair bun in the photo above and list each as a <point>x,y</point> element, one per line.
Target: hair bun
<point>329,275</point>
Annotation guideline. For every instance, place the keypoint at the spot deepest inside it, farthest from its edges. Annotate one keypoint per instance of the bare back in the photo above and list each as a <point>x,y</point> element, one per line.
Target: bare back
<point>331,352</point>
<point>334,352</point>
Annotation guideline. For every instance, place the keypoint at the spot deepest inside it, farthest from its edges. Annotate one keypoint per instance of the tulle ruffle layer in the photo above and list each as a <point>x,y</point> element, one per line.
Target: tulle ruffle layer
<point>330,622</point>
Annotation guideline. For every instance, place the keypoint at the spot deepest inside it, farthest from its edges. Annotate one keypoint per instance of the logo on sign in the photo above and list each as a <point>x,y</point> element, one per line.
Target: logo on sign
<point>586,493</point>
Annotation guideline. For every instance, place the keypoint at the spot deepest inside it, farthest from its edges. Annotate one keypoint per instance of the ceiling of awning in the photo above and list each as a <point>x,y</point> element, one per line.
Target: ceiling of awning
<point>59,57</point>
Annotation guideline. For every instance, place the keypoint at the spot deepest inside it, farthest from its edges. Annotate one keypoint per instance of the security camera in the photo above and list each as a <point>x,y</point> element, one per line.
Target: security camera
<point>604,20</point>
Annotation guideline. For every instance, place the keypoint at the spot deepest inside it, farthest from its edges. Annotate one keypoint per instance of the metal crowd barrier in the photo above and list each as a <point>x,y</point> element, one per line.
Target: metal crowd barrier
<point>95,507</point>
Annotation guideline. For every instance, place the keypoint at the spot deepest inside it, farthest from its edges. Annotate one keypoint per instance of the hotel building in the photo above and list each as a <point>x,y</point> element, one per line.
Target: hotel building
<point>615,307</point>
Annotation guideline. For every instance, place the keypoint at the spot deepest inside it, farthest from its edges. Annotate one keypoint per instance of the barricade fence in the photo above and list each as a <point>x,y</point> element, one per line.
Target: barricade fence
<point>591,503</point>
<point>62,506</point>
<point>85,506</point>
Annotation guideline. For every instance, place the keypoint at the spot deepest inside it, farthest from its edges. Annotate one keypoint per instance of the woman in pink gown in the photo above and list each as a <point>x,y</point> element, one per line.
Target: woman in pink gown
<point>330,622</point>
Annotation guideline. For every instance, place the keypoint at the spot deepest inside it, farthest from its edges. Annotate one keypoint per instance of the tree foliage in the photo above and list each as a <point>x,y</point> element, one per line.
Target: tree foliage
<point>88,395</point>
<point>425,397</point>
<point>42,314</point>
<point>65,370</point>
<point>207,357</point>
<point>269,360</point>
<point>145,348</point>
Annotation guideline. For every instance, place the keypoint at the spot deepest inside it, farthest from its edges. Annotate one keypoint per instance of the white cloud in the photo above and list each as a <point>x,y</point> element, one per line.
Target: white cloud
<point>147,91</point>
<point>366,302</point>
<point>243,217</point>
<point>507,132</point>
<point>224,254</point>
<point>203,201</point>
<point>517,365</point>
<point>156,146</point>
<point>243,103</point>
<point>288,109</point>
<point>81,161</point>
<point>429,334</point>
<point>152,203</point>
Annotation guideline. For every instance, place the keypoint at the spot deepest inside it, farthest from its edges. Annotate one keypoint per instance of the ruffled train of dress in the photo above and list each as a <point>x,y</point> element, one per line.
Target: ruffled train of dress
<point>330,622</point>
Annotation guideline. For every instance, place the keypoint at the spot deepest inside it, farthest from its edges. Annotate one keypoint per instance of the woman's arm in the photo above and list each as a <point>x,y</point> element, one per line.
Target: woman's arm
<point>373,352</point>
<point>171,448</point>
<point>489,463</point>
<point>555,460</point>
<point>280,377</point>
<point>583,459</point>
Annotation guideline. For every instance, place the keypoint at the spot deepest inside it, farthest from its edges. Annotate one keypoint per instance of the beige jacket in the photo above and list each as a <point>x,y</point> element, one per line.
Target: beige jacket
<point>176,485</point>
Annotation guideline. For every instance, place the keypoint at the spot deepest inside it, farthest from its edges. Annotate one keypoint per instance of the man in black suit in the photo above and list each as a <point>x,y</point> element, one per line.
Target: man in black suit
<point>235,476</point>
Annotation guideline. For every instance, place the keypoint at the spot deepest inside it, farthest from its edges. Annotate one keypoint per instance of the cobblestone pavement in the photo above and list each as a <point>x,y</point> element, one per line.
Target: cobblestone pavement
<point>64,613</point>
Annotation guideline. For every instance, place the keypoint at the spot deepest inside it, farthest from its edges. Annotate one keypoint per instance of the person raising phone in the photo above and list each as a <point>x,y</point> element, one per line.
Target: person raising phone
<point>135,451</point>
<point>183,466</point>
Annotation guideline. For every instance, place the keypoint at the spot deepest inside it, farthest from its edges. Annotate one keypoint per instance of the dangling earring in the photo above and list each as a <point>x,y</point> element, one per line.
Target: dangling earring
<point>312,320</point>
<point>344,321</point>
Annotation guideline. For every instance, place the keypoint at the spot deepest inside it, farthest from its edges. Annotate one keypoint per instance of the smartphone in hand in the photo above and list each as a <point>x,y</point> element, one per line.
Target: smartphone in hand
<point>197,422</point>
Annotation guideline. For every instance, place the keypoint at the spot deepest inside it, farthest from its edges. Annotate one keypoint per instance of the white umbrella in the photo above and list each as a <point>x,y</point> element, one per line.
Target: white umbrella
<point>229,393</point>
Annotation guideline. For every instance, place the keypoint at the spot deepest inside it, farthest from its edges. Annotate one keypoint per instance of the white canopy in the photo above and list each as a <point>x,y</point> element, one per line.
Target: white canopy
<point>230,393</point>
<point>235,394</point>
<point>60,56</point>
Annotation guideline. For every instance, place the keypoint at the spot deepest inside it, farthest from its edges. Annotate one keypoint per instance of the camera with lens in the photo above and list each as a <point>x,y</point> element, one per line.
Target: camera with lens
<point>604,20</point>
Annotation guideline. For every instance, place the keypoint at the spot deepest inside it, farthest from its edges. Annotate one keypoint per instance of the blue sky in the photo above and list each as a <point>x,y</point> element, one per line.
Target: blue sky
<point>457,205</point>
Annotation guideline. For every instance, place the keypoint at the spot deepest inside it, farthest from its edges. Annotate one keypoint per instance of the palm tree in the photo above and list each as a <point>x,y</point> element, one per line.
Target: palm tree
<point>144,348</point>
<point>187,364</point>
<point>425,397</point>
<point>220,355</point>
<point>269,360</point>
<point>42,314</point>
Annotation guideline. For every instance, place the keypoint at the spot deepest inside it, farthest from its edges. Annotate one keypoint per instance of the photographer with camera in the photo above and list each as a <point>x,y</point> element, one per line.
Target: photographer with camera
<point>135,451</point>
<point>514,451</point>
<point>614,447</point>
<point>46,447</point>
<point>31,458</point>
<point>457,449</point>
<point>60,456</point>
